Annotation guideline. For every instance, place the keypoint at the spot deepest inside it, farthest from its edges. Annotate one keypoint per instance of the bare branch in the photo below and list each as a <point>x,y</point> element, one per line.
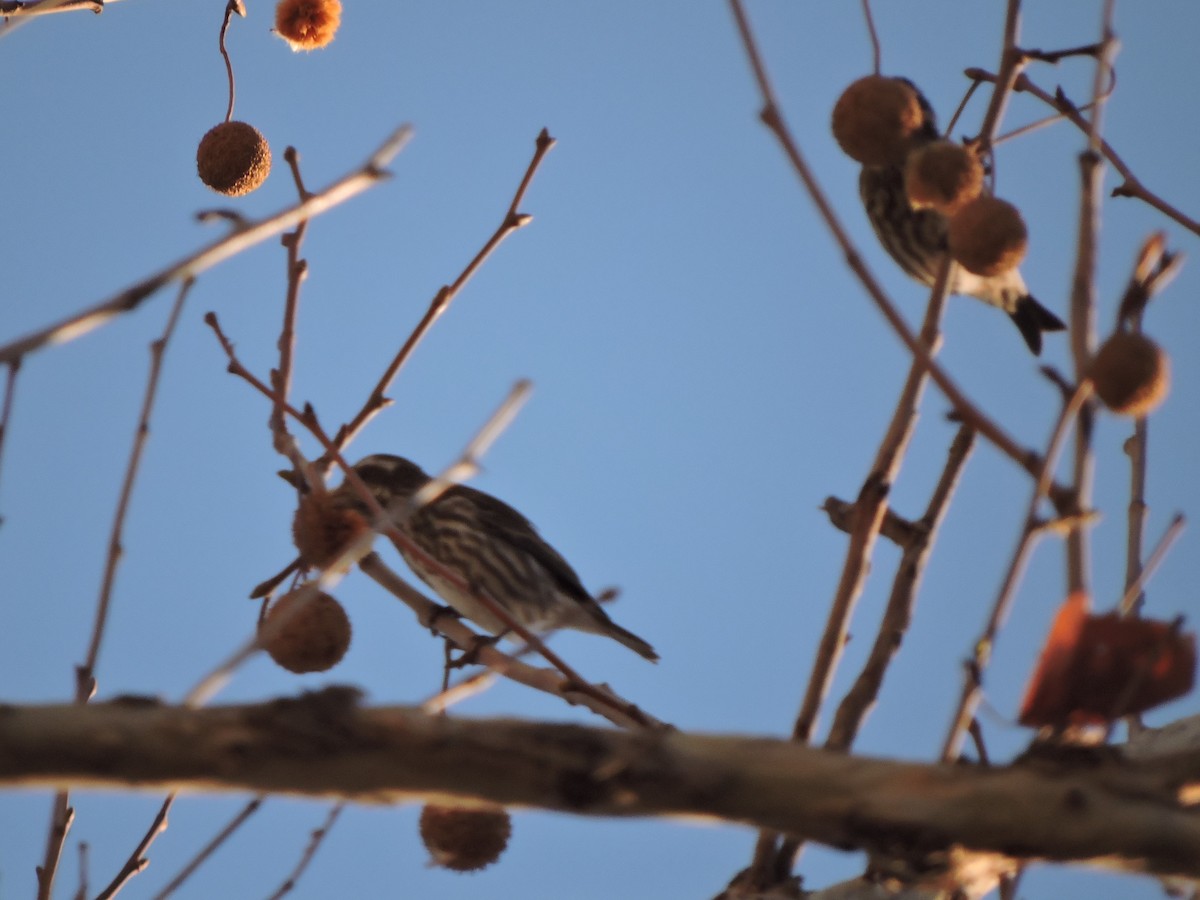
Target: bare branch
<point>137,861</point>
<point>1093,808</point>
<point>512,221</point>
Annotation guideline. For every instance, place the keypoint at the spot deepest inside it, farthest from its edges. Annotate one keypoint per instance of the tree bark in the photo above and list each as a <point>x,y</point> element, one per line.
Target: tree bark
<point>1068,805</point>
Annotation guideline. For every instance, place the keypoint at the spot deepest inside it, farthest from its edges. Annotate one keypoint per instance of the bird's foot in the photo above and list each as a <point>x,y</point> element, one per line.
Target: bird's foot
<point>470,656</point>
<point>437,614</point>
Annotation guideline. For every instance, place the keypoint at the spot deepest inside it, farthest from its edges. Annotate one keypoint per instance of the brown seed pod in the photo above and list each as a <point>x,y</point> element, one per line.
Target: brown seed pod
<point>987,236</point>
<point>307,24</point>
<point>1131,374</point>
<point>312,640</point>
<point>233,158</point>
<point>323,526</point>
<point>942,175</point>
<point>875,118</point>
<point>465,839</point>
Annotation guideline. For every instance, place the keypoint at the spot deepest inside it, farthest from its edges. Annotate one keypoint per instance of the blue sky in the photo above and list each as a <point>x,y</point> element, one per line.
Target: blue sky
<point>706,372</point>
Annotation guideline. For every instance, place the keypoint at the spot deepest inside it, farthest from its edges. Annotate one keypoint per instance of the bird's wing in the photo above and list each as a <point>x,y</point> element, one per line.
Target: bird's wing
<point>497,517</point>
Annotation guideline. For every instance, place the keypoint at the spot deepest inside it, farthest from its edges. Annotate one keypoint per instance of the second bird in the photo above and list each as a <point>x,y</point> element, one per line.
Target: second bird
<point>916,240</point>
<point>491,548</point>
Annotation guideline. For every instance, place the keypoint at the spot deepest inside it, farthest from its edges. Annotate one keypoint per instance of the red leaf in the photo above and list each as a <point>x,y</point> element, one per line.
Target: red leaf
<point>1098,668</point>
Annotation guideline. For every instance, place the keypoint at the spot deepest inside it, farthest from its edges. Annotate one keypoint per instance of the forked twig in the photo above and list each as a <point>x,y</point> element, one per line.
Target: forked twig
<point>137,861</point>
<point>1131,185</point>
<point>512,221</point>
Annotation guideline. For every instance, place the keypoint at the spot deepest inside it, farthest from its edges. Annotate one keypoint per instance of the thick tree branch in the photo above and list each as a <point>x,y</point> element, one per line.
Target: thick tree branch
<point>1093,808</point>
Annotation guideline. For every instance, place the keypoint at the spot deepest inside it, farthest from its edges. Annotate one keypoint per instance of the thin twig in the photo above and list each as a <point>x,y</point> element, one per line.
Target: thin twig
<point>876,54</point>
<point>314,844</point>
<point>1083,305</point>
<point>1033,126</point>
<point>1132,599</point>
<point>233,6</point>
<point>1054,57</point>
<point>1136,448</point>
<point>1131,185</point>
<point>137,861</point>
<point>80,323</point>
<point>962,105</point>
<point>85,674</point>
<point>62,816</point>
<point>81,892</point>
<point>981,654</point>
<point>297,272</point>
<point>30,8</point>
<point>1012,61</point>
<point>211,847</point>
<point>512,221</point>
<point>10,393</point>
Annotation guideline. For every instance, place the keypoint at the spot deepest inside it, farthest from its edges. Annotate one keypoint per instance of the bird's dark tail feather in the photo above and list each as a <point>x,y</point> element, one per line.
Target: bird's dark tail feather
<point>1032,319</point>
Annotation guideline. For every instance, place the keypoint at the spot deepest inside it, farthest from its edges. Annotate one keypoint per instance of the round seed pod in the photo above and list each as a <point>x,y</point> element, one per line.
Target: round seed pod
<point>233,158</point>
<point>323,526</point>
<point>987,236</point>
<point>314,639</point>
<point>307,24</point>
<point>875,119</point>
<point>944,176</point>
<point>464,839</point>
<point>1131,374</point>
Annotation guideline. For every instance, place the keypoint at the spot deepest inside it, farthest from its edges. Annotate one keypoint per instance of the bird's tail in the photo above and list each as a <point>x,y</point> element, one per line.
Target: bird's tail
<point>1032,319</point>
<point>632,641</point>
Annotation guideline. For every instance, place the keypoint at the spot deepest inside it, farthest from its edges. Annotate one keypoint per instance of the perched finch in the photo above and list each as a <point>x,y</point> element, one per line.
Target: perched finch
<point>916,240</point>
<point>492,549</point>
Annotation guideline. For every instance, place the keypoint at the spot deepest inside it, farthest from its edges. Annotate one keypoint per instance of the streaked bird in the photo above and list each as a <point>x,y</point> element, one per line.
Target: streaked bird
<point>916,240</point>
<point>492,549</point>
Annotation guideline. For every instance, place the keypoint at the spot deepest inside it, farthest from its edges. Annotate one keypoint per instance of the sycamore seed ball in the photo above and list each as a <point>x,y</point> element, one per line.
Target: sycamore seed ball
<point>987,236</point>
<point>323,527</point>
<point>307,24</point>
<point>1131,374</point>
<point>462,839</point>
<point>314,639</point>
<point>944,176</point>
<point>875,118</point>
<point>233,158</point>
